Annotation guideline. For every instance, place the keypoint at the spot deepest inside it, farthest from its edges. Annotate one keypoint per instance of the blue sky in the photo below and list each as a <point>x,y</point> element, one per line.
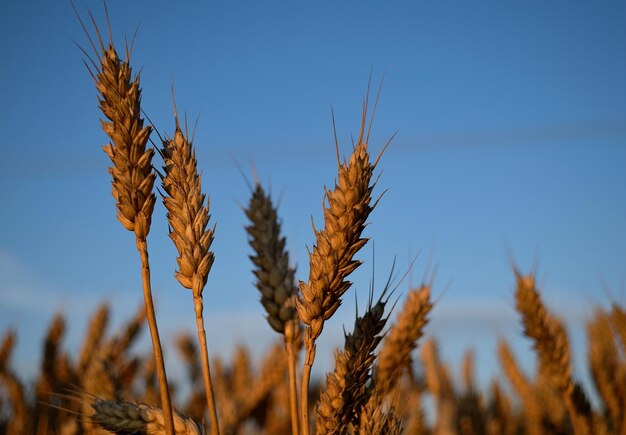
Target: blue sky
<point>512,136</point>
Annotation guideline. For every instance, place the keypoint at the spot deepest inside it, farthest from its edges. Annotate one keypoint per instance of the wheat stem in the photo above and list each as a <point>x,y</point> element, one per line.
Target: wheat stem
<point>293,389</point>
<point>142,246</point>
<point>206,369</point>
<point>309,357</point>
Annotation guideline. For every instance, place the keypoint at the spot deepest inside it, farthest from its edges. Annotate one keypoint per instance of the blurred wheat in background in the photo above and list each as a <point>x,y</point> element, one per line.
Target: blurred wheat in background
<point>388,377</point>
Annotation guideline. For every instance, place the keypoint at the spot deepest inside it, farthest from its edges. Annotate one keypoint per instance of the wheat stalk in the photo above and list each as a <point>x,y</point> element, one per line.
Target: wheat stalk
<point>131,170</point>
<point>188,217</point>
<point>276,283</point>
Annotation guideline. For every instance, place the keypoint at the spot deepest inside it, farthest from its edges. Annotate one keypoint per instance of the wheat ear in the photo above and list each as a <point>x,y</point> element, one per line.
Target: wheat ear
<point>346,387</point>
<point>188,216</point>
<point>523,388</point>
<point>6,348</point>
<point>332,258</point>
<point>395,354</point>
<point>439,383</point>
<point>604,365</point>
<point>93,337</point>
<point>131,170</point>
<point>119,343</point>
<point>250,392</point>
<point>500,418</point>
<point>134,418</point>
<point>19,420</point>
<point>276,283</point>
<point>550,343</point>
<point>374,419</point>
<point>618,317</point>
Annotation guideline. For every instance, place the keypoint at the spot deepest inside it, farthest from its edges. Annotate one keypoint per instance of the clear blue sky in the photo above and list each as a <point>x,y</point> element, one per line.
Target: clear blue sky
<point>512,135</point>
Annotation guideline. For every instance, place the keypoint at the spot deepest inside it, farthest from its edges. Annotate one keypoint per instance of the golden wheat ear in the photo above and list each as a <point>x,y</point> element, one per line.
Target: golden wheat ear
<point>188,217</point>
<point>395,355</point>
<point>377,419</point>
<point>346,210</point>
<point>551,345</point>
<point>20,418</point>
<point>523,387</point>
<point>131,166</point>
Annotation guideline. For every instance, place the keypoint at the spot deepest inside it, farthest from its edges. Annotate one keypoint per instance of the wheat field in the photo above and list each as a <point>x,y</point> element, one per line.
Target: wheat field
<point>383,376</point>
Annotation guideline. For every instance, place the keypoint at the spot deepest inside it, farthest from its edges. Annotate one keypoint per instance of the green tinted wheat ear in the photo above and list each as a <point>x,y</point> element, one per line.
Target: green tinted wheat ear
<point>332,258</point>
<point>133,177</point>
<point>188,216</point>
<point>276,282</point>
<point>275,278</point>
<point>135,418</point>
